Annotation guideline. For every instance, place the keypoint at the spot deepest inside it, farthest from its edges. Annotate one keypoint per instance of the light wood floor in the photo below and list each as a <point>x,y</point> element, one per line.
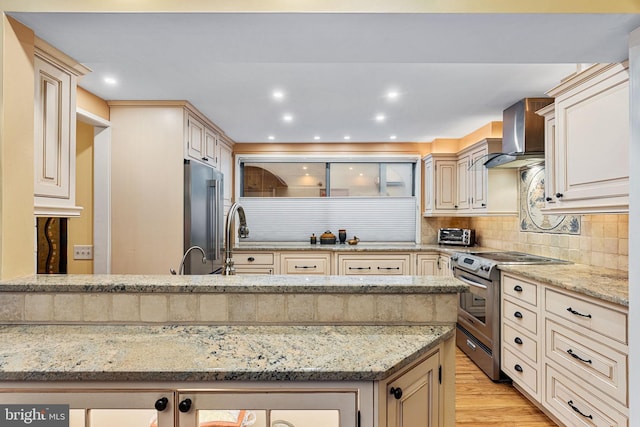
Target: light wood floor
<point>481,402</point>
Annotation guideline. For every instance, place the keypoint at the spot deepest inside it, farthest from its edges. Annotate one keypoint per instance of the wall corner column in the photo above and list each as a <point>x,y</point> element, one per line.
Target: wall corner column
<point>17,225</point>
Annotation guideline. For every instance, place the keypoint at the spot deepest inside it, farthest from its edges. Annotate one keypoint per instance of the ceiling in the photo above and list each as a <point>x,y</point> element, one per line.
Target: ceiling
<point>453,72</point>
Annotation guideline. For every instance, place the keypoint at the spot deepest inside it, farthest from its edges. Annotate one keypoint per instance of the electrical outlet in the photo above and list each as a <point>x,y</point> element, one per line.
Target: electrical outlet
<point>82,251</point>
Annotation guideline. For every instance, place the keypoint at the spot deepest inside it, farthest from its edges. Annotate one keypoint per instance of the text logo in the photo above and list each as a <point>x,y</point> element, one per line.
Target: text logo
<point>34,415</point>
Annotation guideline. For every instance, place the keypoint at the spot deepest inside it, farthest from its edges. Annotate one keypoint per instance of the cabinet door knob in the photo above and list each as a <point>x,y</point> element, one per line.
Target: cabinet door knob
<point>559,195</point>
<point>185,405</point>
<point>161,404</point>
<point>548,199</point>
<point>396,392</point>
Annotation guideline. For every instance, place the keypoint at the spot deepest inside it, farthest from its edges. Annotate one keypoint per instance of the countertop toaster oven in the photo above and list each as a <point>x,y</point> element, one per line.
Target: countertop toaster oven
<point>457,236</point>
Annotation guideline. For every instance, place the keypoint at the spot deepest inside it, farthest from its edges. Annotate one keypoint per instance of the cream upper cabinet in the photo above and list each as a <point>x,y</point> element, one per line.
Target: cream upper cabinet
<point>440,177</point>
<point>460,185</point>
<point>201,142</point>
<point>587,168</point>
<point>225,160</point>
<point>56,78</point>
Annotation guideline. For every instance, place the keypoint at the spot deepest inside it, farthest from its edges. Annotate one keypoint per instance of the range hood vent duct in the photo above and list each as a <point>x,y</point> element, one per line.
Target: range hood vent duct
<point>522,135</point>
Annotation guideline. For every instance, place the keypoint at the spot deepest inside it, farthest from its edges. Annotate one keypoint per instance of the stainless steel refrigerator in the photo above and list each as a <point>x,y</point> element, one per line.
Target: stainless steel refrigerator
<point>203,218</point>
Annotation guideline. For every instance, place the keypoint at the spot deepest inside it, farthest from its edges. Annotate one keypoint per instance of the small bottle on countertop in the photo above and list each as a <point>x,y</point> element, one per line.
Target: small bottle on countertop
<point>313,239</point>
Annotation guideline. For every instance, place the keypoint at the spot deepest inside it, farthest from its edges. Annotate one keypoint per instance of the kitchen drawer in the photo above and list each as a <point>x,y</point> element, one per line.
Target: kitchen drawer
<point>520,316</point>
<point>520,371</point>
<point>362,265</point>
<point>253,258</point>
<point>305,264</point>
<point>520,343</point>
<point>254,270</point>
<point>588,359</point>
<point>575,406</point>
<point>594,316</point>
<point>520,290</point>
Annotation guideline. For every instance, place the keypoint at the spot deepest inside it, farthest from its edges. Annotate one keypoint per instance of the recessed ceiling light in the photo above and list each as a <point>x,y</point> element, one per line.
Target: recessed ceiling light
<point>347,137</point>
<point>393,94</point>
<point>287,118</point>
<point>278,95</point>
<point>392,137</point>
<point>317,137</point>
<point>380,118</point>
<point>271,137</point>
<point>304,168</point>
<point>110,81</point>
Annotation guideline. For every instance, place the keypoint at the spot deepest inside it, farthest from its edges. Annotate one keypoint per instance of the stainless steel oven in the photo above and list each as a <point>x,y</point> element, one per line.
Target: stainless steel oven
<point>478,327</point>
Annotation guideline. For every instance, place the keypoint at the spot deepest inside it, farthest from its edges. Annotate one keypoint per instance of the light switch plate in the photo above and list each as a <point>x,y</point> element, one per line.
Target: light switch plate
<point>82,251</point>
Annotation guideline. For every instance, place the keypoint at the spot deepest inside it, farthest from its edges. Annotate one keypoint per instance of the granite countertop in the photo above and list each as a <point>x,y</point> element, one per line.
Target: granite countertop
<point>244,283</point>
<point>212,353</point>
<point>605,284</point>
<point>360,247</point>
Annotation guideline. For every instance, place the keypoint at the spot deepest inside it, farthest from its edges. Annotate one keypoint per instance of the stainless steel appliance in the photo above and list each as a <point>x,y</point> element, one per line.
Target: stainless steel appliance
<point>203,217</point>
<point>456,236</point>
<point>522,135</point>
<point>478,324</point>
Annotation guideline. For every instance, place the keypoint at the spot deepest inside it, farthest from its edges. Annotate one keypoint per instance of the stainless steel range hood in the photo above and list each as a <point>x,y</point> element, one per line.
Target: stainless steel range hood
<point>522,135</point>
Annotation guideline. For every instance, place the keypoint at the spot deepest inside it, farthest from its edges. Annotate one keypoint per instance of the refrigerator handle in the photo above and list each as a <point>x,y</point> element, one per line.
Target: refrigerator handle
<point>213,222</point>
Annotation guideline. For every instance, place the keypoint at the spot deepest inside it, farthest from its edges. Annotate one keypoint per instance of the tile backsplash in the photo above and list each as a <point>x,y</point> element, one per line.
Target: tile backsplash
<point>603,242</point>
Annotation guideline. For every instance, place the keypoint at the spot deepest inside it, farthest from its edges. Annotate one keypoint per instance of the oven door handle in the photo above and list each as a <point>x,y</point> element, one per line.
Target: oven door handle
<point>471,282</point>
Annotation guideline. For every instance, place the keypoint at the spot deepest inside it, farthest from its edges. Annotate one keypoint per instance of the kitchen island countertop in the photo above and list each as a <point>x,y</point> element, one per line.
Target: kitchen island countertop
<point>244,283</point>
<point>212,353</point>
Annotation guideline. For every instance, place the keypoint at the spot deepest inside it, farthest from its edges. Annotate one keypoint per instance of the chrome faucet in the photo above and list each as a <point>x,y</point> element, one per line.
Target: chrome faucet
<point>184,257</point>
<point>243,232</point>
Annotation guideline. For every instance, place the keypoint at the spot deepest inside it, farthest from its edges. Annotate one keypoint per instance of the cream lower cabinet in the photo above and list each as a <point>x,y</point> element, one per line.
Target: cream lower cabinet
<point>305,263</point>
<point>433,265</point>
<point>587,142</point>
<point>102,408</point>
<point>255,262</point>
<point>521,341</point>
<point>427,265</point>
<point>413,398</point>
<point>374,264</point>
<point>575,362</point>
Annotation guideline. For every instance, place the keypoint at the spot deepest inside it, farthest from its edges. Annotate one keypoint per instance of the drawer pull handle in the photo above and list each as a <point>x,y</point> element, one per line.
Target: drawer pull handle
<point>518,340</point>
<point>359,268</point>
<point>205,159</point>
<point>306,266</point>
<point>517,288</point>
<point>575,356</point>
<point>471,345</point>
<point>577,313</point>
<point>251,259</point>
<point>517,314</point>
<point>388,268</point>
<point>570,403</point>
<point>518,368</point>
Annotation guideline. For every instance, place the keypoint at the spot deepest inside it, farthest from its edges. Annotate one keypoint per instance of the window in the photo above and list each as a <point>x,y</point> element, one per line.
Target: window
<point>327,179</point>
<point>288,198</point>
